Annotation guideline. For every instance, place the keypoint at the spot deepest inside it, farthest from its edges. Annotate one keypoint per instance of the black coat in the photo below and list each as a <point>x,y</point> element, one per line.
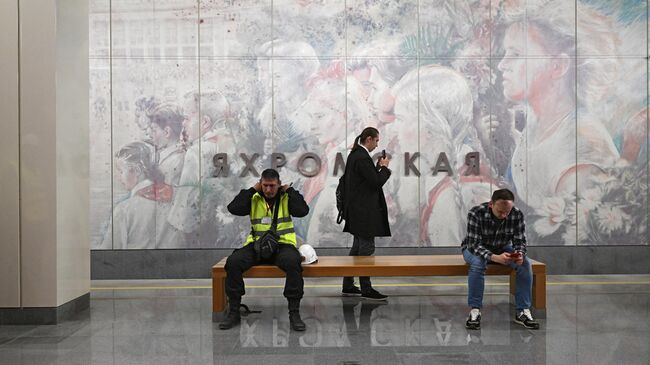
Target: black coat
<point>367,215</point>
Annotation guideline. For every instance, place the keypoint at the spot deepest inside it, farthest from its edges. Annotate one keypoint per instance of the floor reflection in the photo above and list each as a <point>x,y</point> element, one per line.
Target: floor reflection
<point>587,324</point>
<point>407,329</point>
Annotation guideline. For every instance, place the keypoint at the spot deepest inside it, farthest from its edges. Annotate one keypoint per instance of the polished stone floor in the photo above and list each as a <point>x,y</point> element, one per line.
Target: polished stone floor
<point>590,320</point>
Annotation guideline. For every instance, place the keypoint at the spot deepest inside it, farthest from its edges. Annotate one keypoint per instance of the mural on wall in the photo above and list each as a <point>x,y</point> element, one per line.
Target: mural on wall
<point>191,100</point>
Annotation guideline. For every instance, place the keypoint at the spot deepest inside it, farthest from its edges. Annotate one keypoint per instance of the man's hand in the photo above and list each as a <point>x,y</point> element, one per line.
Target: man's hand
<point>284,187</point>
<point>503,259</point>
<point>517,257</point>
<point>383,162</point>
<point>258,187</point>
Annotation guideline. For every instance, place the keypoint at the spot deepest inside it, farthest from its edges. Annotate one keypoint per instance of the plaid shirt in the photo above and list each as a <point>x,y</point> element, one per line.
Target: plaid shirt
<point>487,235</point>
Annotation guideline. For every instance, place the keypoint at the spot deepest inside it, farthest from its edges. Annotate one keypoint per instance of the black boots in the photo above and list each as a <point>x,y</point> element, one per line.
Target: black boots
<point>295,321</point>
<point>233,317</point>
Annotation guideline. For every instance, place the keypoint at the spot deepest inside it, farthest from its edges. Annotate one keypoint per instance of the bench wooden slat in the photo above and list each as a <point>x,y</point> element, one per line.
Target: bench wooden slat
<point>334,266</point>
<point>406,265</point>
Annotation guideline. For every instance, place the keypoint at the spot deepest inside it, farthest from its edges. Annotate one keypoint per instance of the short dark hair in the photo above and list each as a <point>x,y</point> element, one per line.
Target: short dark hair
<point>503,194</point>
<point>168,115</point>
<point>270,174</point>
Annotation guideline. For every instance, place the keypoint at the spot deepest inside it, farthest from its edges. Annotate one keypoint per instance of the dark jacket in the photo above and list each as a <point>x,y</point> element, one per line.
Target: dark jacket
<point>367,215</point>
<point>241,205</point>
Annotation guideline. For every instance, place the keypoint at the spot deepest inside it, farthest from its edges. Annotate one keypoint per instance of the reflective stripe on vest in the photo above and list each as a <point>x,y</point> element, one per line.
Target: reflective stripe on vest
<point>260,210</point>
<point>280,220</point>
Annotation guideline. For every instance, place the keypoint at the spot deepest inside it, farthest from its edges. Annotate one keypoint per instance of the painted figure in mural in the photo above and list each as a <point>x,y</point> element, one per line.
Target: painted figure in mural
<point>142,107</point>
<point>199,203</point>
<point>377,69</point>
<point>552,119</point>
<point>280,131</point>
<point>544,169</point>
<point>366,215</point>
<point>324,114</point>
<point>496,232</point>
<point>139,221</point>
<point>290,89</point>
<point>166,126</point>
<point>497,129</point>
<point>445,126</point>
<point>260,203</point>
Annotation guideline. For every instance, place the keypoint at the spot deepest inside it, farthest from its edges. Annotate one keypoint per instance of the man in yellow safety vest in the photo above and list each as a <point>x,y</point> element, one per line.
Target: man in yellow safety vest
<point>260,202</point>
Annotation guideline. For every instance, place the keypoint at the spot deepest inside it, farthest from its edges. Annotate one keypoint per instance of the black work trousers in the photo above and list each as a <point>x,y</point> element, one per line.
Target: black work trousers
<point>287,259</point>
<point>361,246</point>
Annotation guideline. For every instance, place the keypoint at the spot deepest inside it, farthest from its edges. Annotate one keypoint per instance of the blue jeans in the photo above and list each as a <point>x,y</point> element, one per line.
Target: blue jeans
<point>476,280</point>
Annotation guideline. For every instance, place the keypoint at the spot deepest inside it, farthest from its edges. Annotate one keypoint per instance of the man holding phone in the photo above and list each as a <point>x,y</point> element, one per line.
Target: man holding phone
<point>366,214</point>
<point>496,234</point>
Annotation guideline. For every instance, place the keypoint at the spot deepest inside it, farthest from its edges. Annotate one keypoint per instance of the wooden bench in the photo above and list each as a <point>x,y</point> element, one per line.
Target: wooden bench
<point>376,266</point>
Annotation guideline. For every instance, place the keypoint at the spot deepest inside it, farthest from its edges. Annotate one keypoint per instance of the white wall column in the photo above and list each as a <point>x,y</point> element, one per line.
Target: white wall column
<point>45,154</point>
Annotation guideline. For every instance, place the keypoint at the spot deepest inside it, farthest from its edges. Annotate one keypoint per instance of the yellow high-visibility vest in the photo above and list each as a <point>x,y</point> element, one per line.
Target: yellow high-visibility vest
<point>262,218</point>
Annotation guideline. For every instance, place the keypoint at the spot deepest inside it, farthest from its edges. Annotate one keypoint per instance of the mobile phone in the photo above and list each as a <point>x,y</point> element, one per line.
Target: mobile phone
<point>383,153</point>
<point>515,255</point>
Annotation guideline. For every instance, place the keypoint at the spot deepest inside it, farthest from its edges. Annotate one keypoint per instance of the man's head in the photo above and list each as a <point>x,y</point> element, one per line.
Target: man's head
<point>203,112</point>
<point>270,182</point>
<point>502,202</point>
<point>166,124</point>
<point>369,138</point>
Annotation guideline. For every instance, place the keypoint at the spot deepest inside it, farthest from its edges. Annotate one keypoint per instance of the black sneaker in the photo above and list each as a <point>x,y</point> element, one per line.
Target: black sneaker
<point>351,291</point>
<point>372,294</point>
<point>232,319</point>
<point>474,320</point>
<point>296,322</point>
<point>525,318</point>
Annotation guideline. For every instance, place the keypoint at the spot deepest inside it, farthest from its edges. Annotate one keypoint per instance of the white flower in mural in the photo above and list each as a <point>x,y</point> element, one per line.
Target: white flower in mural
<point>611,218</point>
<point>603,182</point>
<point>575,234</point>
<point>552,215</point>
<point>571,211</point>
<point>569,236</point>
<point>591,198</point>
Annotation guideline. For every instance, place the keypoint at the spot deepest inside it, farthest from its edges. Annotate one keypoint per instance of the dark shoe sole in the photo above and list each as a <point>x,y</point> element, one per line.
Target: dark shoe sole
<point>375,299</point>
<point>298,329</point>
<point>350,294</point>
<point>526,326</point>
<point>227,327</point>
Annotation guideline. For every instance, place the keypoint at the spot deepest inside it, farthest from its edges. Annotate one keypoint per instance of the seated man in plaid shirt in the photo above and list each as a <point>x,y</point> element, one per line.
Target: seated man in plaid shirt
<point>496,233</point>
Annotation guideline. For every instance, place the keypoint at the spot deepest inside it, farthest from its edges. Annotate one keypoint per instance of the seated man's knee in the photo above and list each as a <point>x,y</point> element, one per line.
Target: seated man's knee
<point>291,263</point>
<point>477,267</point>
<point>526,265</point>
<point>294,262</point>
<point>477,264</point>
<point>232,263</point>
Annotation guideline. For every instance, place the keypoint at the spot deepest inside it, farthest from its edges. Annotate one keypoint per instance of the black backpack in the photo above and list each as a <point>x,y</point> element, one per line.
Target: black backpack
<point>340,199</point>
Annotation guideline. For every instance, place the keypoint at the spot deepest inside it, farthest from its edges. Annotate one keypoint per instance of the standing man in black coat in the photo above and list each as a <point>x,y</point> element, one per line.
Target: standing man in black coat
<point>366,215</point>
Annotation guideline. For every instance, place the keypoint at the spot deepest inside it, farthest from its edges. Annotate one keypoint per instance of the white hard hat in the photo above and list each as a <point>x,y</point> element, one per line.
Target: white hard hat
<point>308,253</point>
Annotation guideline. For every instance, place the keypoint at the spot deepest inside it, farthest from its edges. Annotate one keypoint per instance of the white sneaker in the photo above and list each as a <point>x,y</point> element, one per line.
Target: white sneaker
<point>525,318</point>
<point>474,320</point>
